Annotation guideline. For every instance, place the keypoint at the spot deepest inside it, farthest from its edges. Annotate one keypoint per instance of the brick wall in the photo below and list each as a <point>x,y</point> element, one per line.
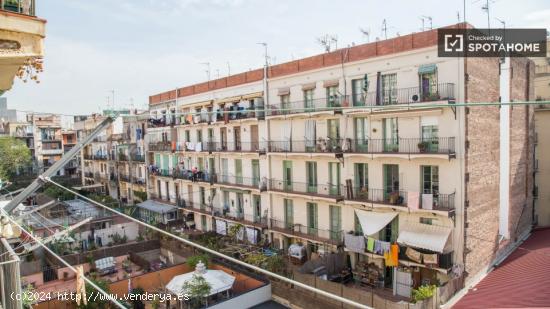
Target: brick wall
<point>482,164</point>
<point>482,160</point>
<point>522,148</point>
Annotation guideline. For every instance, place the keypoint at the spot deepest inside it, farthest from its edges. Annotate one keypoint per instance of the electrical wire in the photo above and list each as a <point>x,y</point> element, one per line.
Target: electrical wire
<point>213,252</point>
<point>90,282</point>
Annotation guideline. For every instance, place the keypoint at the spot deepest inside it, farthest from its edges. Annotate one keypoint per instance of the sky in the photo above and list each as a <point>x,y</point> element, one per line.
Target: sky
<point>130,49</point>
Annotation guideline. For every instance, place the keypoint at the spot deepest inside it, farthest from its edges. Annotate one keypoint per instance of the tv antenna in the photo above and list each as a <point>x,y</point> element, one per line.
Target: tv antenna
<point>365,32</point>
<point>423,18</point>
<point>327,40</point>
<point>385,29</point>
<point>207,64</point>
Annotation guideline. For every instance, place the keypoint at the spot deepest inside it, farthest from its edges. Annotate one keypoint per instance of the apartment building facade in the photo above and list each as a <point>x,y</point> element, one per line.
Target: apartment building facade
<point>48,140</point>
<point>356,150</point>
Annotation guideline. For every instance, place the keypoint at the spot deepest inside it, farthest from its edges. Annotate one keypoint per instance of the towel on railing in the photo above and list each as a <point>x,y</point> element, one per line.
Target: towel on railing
<point>427,201</point>
<point>198,147</point>
<point>413,199</point>
<point>354,243</point>
<point>251,235</point>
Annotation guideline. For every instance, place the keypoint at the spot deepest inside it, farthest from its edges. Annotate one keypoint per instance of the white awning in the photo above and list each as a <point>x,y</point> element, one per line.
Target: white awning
<point>218,280</point>
<point>372,222</point>
<point>424,236</point>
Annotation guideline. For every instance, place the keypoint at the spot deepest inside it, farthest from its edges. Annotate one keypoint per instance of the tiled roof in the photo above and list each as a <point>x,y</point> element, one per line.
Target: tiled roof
<point>520,281</point>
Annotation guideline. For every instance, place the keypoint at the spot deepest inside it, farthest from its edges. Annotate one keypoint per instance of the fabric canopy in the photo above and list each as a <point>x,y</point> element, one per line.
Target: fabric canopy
<point>372,222</point>
<point>424,236</point>
<point>218,280</point>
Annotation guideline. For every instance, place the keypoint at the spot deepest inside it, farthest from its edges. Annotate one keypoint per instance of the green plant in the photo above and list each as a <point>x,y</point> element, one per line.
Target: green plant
<point>27,297</point>
<point>194,260</point>
<point>234,230</point>
<point>197,288</point>
<point>423,292</point>
<point>96,302</point>
<point>422,146</point>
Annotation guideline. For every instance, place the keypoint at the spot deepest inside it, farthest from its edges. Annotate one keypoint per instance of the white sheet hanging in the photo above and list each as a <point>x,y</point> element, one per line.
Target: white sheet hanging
<point>427,201</point>
<point>252,235</point>
<point>310,133</point>
<point>221,227</point>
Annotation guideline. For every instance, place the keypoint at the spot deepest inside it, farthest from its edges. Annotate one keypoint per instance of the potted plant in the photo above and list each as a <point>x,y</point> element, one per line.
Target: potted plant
<point>11,5</point>
<point>423,146</point>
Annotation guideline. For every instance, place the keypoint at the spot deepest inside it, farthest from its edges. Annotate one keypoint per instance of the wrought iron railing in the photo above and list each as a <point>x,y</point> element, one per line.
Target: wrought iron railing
<point>300,230</point>
<point>328,190</point>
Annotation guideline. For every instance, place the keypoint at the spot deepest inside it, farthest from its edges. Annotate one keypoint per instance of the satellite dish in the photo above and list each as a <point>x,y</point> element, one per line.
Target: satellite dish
<point>415,97</point>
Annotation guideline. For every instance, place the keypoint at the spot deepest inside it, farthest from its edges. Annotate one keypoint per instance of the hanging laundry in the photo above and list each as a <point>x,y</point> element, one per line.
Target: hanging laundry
<point>414,255</point>
<point>394,254</point>
<point>370,244</point>
<point>413,199</point>
<point>427,201</point>
<point>430,258</point>
<point>198,147</point>
<point>378,247</point>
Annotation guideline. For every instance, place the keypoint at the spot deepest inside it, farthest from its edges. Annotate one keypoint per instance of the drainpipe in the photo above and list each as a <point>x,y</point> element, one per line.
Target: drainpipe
<point>504,184</point>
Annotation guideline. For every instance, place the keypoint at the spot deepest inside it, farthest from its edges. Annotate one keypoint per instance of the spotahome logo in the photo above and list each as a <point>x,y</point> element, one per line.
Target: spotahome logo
<point>491,42</point>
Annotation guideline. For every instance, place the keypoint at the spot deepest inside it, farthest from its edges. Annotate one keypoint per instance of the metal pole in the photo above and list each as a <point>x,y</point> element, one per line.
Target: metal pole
<point>37,183</point>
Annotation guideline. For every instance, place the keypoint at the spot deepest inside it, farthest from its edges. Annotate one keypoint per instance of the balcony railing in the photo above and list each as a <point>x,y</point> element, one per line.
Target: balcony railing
<point>122,157</point>
<point>138,157</point>
<point>307,106</point>
<point>89,175</point>
<point>300,230</point>
<point>411,95</point>
<point>25,7</point>
<point>255,146</point>
<point>124,177</point>
<point>434,145</point>
<point>101,157</point>
<point>320,145</point>
<point>160,146</point>
<point>441,202</point>
<point>237,181</point>
<point>324,190</point>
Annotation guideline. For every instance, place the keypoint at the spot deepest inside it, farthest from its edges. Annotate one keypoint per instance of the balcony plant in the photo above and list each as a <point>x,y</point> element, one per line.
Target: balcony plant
<point>423,292</point>
<point>11,5</point>
<point>423,146</point>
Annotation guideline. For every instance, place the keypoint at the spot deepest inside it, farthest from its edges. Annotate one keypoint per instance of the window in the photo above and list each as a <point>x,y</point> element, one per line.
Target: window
<point>334,178</point>
<point>335,222</point>
<point>357,92</point>
<point>312,218</point>
<point>332,96</point>
<point>389,88</point>
<point>187,136</point>
<point>429,131</point>
<point>287,175</point>
<point>203,223</point>
<point>430,181</point>
<point>311,176</point>
<point>391,134</point>
<point>427,75</point>
<point>391,183</point>
<point>361,134</point>
<point>199,136</point>
<point>361,176</point>
<point>239,171</point>
<point>289,213</point>
<point>308,99</point>
<point>285,103</point>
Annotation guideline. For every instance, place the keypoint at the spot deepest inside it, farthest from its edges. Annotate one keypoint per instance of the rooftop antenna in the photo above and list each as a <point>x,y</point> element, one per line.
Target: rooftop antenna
<point>486,7</point>
<point>207,64</point>
<point>385,29</point>
<point>429,18</point>
<point>217,73</point>
<point>325,42</point>
<point>334,39</point>
<point>365,32</point>
<point>422,19</point>
<point>458,15</point>
<point>228,69</point>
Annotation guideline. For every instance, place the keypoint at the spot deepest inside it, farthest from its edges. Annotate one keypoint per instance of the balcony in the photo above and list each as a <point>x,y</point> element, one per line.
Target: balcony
<point>302,231</point>
<point>51,152</point>
<point>411,95</point>
<point>22,40</point>
<point>19,7</point>
<point>88,174</point>
<point>331,191</point>
<point>100,157</point>
<point>441,202</point>
<point>138,157</point>
<point>160,146</point>
<point>239,146</point>
<point>122,157</point>
<point>195,207</point>
<point>238,181</point>
<point>124,177</point>
<point>436,145</point>
<point>308,106</point>
<point>246,219</point>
